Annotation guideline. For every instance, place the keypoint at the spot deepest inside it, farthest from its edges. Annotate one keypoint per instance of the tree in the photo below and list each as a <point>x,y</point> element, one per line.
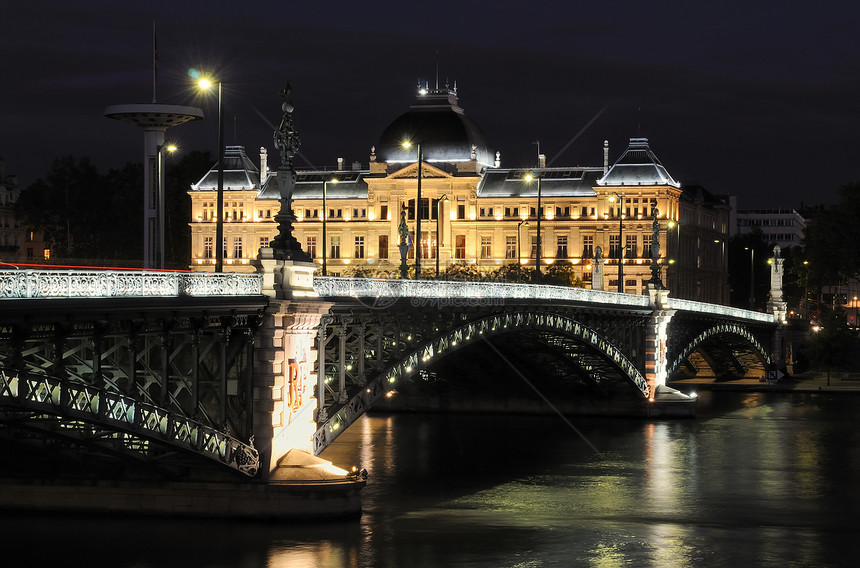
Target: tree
<point>831,344</point>
<point>830,241</point>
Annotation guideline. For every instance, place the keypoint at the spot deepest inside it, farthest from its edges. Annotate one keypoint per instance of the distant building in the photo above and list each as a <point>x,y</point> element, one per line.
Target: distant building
<point>780,226</point>
<point>472,210</point>
<point>18,244</point>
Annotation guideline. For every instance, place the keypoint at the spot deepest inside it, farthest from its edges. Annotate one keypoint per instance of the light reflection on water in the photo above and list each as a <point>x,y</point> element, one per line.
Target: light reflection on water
<point>755,480</point>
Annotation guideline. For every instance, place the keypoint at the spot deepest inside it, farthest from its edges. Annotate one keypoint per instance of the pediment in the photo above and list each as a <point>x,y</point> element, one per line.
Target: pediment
<point>427,171</point>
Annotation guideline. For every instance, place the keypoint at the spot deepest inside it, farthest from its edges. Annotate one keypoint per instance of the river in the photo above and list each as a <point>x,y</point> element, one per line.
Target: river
<point>756,479</point>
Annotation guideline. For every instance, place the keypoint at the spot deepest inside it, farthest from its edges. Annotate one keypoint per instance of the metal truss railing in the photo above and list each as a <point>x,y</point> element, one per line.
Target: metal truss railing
<point>720,310</point>
<point>385,291</point>
<point>29,284</point>
<point>722,329</point>
<point>453,339</point>
<point>90,404</point>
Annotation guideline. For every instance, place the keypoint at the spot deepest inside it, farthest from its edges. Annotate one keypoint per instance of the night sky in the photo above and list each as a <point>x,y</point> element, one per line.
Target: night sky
<point>756,99</point>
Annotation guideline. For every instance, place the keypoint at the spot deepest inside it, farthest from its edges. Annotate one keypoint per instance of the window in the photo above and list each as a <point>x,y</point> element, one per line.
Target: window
<point>425,209</point>
<point>646,246</point>
<point>486,247</point>
<point>630,246</point>
<point>461,211</point>
<point>237,247</point>
<point>383,246</point>
<point>614,248</point>
<point>588,247</point>
<point>534,247</point>
<point>359,213</point>
<point>264,242</point>
<point>311,246</point>
<point>30,254</point>
<point>335,247</point>
<point>561,250</point>
<point>359,247</point>
<point>460,247</point>
<point>510,247</point>
<point>207,247</point>
<point>383,213</point>
<point>512,211</point>
<point>562,211</point>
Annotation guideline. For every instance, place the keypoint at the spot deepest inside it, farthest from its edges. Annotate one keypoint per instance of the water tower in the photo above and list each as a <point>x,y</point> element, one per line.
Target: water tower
<point>155,119</point>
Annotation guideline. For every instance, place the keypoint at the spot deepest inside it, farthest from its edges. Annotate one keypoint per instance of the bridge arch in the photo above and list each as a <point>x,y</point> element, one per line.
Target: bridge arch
<point>74,402</point>
<point>724,329</point>
<point>457,338</point>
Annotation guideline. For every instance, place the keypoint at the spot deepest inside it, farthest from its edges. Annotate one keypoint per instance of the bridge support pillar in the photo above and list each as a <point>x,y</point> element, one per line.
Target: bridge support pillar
<point>284,401</point>
<point>656,337</point>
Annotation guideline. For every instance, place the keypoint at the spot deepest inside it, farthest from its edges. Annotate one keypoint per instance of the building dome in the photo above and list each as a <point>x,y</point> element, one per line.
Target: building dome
<point>437,122</point>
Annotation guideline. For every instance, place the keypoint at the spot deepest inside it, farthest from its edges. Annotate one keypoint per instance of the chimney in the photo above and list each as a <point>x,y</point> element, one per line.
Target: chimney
<point>264,166</point>
<point>541,160</point>
<point>340,164</point>
<point>605,156</point>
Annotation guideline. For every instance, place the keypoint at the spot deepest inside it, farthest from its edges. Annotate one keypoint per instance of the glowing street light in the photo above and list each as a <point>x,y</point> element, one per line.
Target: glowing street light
<point>170,148</point>
<point>408,144</point>
<point>439,201</point>
<point>206,84</point>
<point>332,181</point>
<point>538,254</point>
<point>613,197</point>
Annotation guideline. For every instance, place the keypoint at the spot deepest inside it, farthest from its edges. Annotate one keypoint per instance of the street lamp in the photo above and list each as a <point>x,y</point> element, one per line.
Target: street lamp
<point>408,144</point>
<point>752,276</point>
<point>613,197</point>
<point>529,178</point>
<point>520,224</point>
<point>206,84</point>
<point>677,260</point>
<point>160,202</point>
<point>443,197</point>
<point>332,181</point>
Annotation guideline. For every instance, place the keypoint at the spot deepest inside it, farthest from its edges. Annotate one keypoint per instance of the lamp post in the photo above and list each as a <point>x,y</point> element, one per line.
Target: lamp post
<point>529,178</point>
<point>219,221</point>
<point>752,277</point>
<point>443,197</point>
<point>677,260</point>
<point>408,144</point>
<point>520,224</point>
<point>159,233</point>
<point>325,212</point>
<point>620,198</point>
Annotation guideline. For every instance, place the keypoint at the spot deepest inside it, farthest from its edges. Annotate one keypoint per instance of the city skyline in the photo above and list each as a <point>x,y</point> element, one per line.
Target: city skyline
<point>759,105</point>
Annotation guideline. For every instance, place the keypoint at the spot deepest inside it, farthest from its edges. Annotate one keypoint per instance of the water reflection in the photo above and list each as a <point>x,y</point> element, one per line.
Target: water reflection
<point>756,479</point>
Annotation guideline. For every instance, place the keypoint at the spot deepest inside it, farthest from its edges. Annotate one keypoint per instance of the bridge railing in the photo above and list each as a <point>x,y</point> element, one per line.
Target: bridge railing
<point>442,290</point>
<point>719,310</point>
<point>32,284</point>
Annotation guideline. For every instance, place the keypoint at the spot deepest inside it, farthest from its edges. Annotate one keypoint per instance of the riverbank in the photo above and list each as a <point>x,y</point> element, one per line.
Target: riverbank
<point>804,382</point>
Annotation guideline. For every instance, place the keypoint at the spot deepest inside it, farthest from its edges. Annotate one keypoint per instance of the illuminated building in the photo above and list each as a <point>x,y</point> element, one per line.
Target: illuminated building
<point>486,214</point>
<point>18,243</point>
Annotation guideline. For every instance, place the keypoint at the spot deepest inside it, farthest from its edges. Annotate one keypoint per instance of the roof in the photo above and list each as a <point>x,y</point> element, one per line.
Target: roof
<point>637,166</point>
<point>438,123</point>
<point>310,184</point>
<point>240,173</point>
<point>554,182</point>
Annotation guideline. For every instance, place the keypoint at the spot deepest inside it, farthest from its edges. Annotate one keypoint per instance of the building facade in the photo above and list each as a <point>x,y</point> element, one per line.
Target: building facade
<point>18,244</point>
<point>472,211</point>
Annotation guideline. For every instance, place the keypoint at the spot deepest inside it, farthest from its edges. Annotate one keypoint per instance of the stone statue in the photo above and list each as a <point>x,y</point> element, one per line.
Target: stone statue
<point>656,280</point>
<point>286,139</point>
<point>597,269</point>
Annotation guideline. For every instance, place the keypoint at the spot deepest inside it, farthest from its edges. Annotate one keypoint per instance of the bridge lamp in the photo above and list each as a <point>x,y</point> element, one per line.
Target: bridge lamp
<point>613,197</point>
<point>332,181</point>
<point>408,144</point>
<point>443,197</point>
<point>529,177</point>
<point>752,276</point>
<point>519,225</point>
<point>207,84</point>
<point>170,148</point>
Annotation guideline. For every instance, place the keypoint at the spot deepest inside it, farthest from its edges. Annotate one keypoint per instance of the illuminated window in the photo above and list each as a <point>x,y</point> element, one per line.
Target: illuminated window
<point>510,247</point>
<point>264,242</point>
<point>587,246</point>
<point>486,247</point>
<point>335,247</point>
<point>460,247</point>
<point>561,249</point>
<point>237,247</point>
<point>359,247</point>
<point>312,247</point>
<point>383,246</point>
<point>207,247</point>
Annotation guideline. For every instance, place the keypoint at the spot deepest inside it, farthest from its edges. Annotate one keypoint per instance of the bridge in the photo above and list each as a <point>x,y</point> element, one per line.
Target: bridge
<point>219,376</point>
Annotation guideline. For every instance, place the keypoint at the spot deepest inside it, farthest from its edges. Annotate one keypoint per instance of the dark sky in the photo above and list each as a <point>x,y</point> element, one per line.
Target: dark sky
<point>756,99</point>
